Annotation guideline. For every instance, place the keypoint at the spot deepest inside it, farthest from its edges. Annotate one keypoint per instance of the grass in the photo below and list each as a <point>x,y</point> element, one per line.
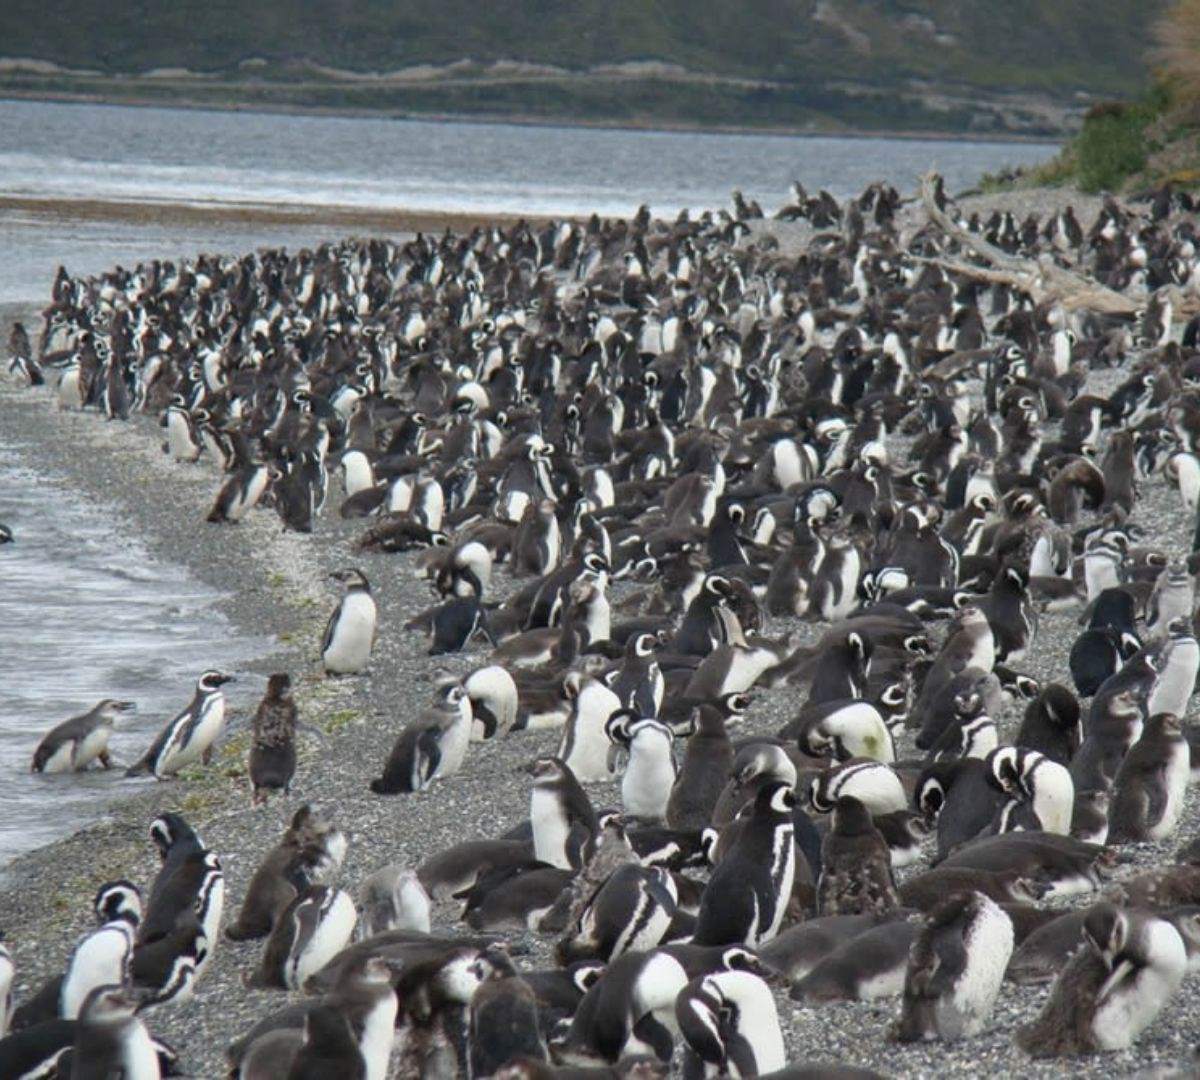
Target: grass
<point>340,719</point>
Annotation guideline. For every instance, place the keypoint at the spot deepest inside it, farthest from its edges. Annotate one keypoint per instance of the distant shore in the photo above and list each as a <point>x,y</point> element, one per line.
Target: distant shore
<point>148,101</point>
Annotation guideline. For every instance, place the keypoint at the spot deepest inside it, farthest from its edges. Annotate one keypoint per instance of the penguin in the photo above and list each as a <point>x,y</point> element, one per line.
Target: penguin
<point>1129,967</point>
<point>313,929</point>
<point>630,912</point>
<point>1032,778</point>
<point>1173,597</point>
<point>748,892</point>
<point>431,748</point>
<point>1052,724</point>
<point>103,957</point>
<point>310,852</point>
<point>873,783</point>
<point>503,1025</point>
<point>800,948</point>
<point>707,763</point>
<point>585,746</point>
<point>110,1039</point>
<point>164,971</point>
<point>197,884</point>
<point>494,699</point>
<point>638,682</point>
<point>856,865</point>
<point>1149,788</point>
<point>650,770</point>
<point>870,966</point>
<point>74,744</point>
<point>393,898</point>
<point>273,741</point>
<point>350,633</point>
<point>6,983</point>
<point>955,970</point>
<point>846,729</point>
<point>1178,668</point>
<point>456,623</point>
<point>1114,723</point>
<point>961,797</point>
<point>241,492</point>
<point>183,442</point>
<point>558,805</point>
<point>329,1048</point>
<point>190,736</point>
<point>730,1026</point>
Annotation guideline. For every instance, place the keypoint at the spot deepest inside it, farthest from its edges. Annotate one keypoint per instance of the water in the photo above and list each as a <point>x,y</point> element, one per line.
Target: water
<point>166,155</point>
<point>85,614</point>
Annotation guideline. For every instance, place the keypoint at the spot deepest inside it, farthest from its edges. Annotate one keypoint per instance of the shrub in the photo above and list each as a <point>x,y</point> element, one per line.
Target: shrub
<point>1111,146</point>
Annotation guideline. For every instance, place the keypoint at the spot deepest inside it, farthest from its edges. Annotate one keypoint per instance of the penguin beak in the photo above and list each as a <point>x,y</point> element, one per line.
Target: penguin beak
<point>125,706</point>
<point>226,679</point>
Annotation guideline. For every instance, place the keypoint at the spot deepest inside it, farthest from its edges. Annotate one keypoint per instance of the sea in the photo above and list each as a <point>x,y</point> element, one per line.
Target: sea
<point>85,612</point>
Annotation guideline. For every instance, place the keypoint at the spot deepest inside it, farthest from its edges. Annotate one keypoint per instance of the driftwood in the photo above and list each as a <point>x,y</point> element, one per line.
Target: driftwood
<point>1043,280</point>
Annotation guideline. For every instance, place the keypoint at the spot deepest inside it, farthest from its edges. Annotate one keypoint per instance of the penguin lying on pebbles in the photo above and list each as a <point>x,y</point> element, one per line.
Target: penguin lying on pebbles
<point>191,735</point>
<point>74,744</point>
<point>313,929</point>
<point>728,1021</point>
<point>430,748</point>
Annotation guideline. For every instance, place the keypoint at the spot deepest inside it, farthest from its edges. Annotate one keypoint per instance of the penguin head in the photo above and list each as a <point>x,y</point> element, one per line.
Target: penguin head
<point>740,958</point>
<point>118,900</point>
<point>930,797</point>
<point>212,680</point>
<point>1165,724</point>
<point>352,578</point>
<point>110,1006</point>
<point>110,708</point>
<point>1106,930</point>
<point>169,829</point>
<point>1008,767</point>
<point>546,769</point>
<point>279,685</point>
<point>777,798</point>
<point>642,645</point>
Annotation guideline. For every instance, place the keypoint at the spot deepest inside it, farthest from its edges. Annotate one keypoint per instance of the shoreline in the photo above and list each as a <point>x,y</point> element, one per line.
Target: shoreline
<point>68,97</point>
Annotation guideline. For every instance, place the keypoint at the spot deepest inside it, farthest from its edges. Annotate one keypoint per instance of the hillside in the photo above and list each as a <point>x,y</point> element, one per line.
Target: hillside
<point>924,64</point>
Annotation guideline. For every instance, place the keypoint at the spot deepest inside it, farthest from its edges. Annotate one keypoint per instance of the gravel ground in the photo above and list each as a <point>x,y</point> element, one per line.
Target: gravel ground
<point>275,584</point>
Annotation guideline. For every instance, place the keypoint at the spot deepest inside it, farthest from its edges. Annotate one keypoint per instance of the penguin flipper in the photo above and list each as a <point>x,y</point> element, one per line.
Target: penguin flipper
<point>327,639</point>
<point>427,758</point>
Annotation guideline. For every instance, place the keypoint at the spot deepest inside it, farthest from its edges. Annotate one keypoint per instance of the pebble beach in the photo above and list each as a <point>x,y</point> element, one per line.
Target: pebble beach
<point>275,585</point>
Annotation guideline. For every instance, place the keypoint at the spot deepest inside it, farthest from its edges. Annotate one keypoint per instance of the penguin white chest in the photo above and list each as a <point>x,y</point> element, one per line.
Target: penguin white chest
<point>179,753</point>
<point>353,634</point>
<point>1133,1001</point>
<point>331,935</point>
<point>179,437</point>
<point>1175,781</point>
<point>247,498</point>
<point>989,946</point>
<point>379,1030</point>
<point>550,829</point>
<point>646,786</point>
<point>91,746</point>
<point>454,745</point>
<point>139,1057</point>
<point>102,958</point>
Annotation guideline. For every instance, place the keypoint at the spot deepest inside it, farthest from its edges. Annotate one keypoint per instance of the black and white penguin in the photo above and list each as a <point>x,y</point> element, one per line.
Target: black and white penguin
<point>856,864</point>
<point>1179,665</point>
<point>103,957</point>
<point>494,699</point>
<point>585,746</point>
<point>241,492</point>
<point>730,1026</point>
<point>350,634</point>
<point>1033,779</point>
<point>431,748</point>
<point>955,970</point>
<point>6,984</point>
<point>638,682</point>
<point>869,966</point>
<point>1114,723</point>
<point>1129,967</point>
<point>74,744</point>
<point>558,806</point>
<point>1149,788</point>
<point>846,729</point>
<point>190,736</point>
<point>747,895</point>
<point>650,769</point>
<point>630,912</point>
<point>876,785</point>
<point>164,971</point>
<point>316,926</point>
<point>110,1039</point>
<point>273,741</point>
<point>456,623</point>
<point>183,441</point>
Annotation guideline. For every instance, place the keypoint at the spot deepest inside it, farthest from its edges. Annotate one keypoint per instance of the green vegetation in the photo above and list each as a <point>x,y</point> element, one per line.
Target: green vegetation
<point>1022,66</point>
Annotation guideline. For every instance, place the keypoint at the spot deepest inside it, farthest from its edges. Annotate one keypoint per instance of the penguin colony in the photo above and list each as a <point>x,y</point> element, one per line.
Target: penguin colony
<point>635,462</point>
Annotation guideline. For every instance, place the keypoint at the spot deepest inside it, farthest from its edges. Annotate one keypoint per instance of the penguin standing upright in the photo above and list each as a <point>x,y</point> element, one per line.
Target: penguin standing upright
<point>273,745</point>
<point>350,634</point>
<point>74,744</point>
<point>557,805</point>
<point>856,865</point>
<point>6,982</point>
<point>747,895</point>
<point>110,1040</point>
<point>1180,663</point>
<point>585,745</point>
<point>1150,785</point>
<point>650,770</point>
<point>955,969</point>
<point>316,926</point>
<point>707,763</point>
<point>190,736</point>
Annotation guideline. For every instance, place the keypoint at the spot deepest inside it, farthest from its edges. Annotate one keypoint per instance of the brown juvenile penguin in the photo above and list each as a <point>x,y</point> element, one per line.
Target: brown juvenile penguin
<point>856,865</point>
<point>273,749</point>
